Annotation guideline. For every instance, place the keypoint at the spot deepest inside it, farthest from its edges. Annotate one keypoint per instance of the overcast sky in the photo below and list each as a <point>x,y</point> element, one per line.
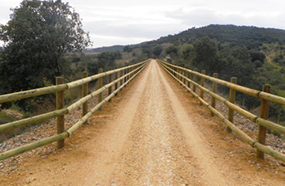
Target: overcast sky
<point>112,22</point>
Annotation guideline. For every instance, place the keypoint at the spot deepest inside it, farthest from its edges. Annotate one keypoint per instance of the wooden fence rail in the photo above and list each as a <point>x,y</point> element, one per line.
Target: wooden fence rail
<point>178,73</point>
<point>122,76</point>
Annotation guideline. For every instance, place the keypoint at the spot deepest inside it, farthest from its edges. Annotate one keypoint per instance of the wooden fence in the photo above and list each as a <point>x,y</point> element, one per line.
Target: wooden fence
<point>186,77</point>
<point>121,78</point>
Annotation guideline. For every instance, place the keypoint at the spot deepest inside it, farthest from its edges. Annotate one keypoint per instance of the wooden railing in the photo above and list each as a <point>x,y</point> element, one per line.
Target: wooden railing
<point>186,77</point>
<point>121,78</point>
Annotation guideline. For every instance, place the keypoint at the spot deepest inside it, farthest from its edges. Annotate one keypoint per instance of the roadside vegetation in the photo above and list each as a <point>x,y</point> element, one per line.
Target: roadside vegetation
<point>56,45</point>
<point>256,56</point>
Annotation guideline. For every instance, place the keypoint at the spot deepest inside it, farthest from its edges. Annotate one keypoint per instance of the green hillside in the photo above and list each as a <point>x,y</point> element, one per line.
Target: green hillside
<point>108,49</point>
<point>255,56</point>
<point>237,35</point>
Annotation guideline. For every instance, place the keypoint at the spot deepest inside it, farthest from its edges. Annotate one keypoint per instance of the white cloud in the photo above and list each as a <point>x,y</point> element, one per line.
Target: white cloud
<point>127,21</point>
<point>113,40</point>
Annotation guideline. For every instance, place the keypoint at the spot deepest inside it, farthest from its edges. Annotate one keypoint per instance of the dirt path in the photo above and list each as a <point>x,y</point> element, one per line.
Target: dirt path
<point>153,133</point>
<point>157,147</point>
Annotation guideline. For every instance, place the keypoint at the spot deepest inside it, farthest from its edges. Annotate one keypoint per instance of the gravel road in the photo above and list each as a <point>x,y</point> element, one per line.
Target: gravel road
<point>152,133</point>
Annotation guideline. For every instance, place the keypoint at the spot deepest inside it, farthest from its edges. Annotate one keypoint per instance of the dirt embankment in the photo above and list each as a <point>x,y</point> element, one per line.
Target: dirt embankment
<point>153,133</point>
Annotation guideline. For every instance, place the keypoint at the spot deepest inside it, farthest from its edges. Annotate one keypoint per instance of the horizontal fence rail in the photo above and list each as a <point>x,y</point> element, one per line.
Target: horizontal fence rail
<point>122,77</point>
<point>186,77</point>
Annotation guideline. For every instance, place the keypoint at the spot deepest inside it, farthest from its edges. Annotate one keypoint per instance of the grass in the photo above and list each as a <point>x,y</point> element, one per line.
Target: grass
<point>12,114</point>
<point>6,118</point>
<point>281,93</point>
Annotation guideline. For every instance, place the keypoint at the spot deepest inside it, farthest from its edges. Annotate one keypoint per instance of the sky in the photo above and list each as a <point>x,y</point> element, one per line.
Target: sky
<point>123,22</point>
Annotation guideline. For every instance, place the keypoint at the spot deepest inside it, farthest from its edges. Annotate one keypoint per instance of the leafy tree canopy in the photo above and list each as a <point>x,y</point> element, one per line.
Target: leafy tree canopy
<point>157,51</point>
<point>205,54</point>
<point>172,50</point>
<point>127,49</point>
<point>107,59</point>
<point>36,38</point>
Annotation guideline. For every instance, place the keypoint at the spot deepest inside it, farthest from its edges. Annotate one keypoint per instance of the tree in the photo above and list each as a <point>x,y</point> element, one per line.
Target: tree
<point>127,49</point>
<point>187,53</point>
<point>257,56</point>
<point>205,55</point>
<point>37,38</point>
<point>172,50</point>
<point>146,51</point>
<point>157,51</point>
<point>107,59</point>
<point>237,63</point>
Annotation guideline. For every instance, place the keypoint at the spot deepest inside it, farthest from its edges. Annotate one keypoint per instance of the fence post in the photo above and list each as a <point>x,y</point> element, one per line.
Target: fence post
<point>84,93</point>
<point>214,90</point>
<point>132,69</point>
<point>110,88</point>
<point>125,79</point>
<point>60,105</point>
<point>100,85</point>
<point>129,76</point>
<point>177,74</point>
<point>185,75</point>
<point>181,78</point>
<point>232,99</point>
<point>195,80</point>
<point>122,80</point>
<point>264,110</point>
<point>202,84</point>
<point>116,84</point>
<point>189,77</point>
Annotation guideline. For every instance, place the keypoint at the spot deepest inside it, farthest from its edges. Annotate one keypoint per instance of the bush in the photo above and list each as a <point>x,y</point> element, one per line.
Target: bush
<point>281,87</point>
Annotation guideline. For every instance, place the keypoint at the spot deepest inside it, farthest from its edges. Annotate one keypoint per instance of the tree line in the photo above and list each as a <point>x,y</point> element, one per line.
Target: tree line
<point>254,55</point>
<point>45,39</point>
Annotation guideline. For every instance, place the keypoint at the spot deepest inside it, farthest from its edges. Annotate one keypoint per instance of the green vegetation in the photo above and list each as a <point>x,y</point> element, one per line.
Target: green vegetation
<point>37,39</point>
<point>107,49</point>
<point>255,56</point>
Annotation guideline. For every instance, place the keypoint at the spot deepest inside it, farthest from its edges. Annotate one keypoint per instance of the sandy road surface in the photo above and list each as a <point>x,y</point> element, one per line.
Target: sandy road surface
<point>153,133</point>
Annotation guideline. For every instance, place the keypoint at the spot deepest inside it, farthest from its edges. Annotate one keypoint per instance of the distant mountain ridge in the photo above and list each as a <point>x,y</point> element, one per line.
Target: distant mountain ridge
<point>108,49</point>
<point>250,36</point>
<point>240,35</point>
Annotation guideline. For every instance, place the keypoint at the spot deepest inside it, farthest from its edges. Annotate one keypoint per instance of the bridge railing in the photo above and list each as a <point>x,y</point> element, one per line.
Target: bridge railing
<point>186,77</point>
<point>121,78</point>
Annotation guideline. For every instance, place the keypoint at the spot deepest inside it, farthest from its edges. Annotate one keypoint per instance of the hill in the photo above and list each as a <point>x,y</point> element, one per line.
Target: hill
<point>237,35</point>
<point>255,56</point>
<point>109,49</point>
<point>252,37</point>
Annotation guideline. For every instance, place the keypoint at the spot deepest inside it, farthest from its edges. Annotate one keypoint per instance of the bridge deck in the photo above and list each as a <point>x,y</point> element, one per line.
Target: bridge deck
<point>153,133</point>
